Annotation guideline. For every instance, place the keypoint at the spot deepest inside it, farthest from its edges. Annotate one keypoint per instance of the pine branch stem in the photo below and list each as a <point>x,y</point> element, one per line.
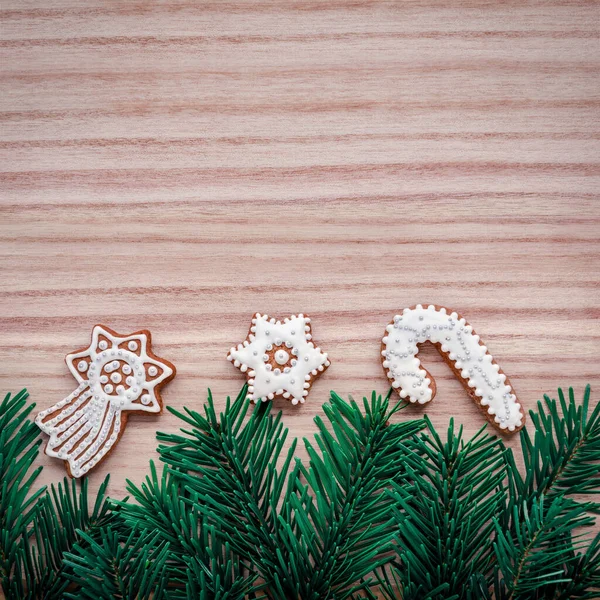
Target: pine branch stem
<point>256,511</point>
<point>522,562</point>
<point>568,458</point>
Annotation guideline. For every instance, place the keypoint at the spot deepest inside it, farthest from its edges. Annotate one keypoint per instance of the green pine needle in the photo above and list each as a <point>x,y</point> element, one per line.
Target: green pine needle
<point>563,455</point>
<point>59,519</point>
<point>199,564</point>
<point>228,466</point>
<point>543,551</point>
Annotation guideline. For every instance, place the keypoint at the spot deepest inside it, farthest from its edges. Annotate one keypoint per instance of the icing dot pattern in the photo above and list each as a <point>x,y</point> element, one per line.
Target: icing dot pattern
<point>279,358</point>
<point>85,425</point>
<point>471,359</point>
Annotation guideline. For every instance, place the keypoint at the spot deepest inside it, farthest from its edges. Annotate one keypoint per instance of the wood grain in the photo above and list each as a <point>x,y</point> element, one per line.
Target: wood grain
<point>177,166</point>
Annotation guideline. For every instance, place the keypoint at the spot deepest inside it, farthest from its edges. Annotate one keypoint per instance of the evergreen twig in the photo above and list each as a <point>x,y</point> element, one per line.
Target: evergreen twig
<point>563,456</point>
<point>444,513</point>
<point>60,517</point>
<point>459,498</point>
<point>228,464</point>
<point>200,565</point>
<point>358,456</point>
<point>113,566</point>
<point>19,445</point>
<point>542,553</point>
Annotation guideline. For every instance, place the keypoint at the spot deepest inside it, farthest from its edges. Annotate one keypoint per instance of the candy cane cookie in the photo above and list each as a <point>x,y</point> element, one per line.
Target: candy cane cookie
<point>461,349</point>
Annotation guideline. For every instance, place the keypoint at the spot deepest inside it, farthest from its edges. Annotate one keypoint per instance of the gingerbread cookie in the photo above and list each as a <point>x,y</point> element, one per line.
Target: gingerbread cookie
<point>459,346</point>
<point>279,359</point>
<point>116,373</point>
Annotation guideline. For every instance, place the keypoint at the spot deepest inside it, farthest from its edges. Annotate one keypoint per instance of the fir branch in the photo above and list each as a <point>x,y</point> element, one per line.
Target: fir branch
<point>214,572</point>
<point>583,575</point>
<point>19,445</point>
<point>228,464</point>
<point>542,552</point>
<point>39,527</point>
<point>60,516</point>
<point>160,506</point>
<point>564,455</point>
<point>562,461</point>
<point>112,567</point>
<point>444,512</point>
<point>199,564</point>
<point>358,455</point>
<point>222,513</point>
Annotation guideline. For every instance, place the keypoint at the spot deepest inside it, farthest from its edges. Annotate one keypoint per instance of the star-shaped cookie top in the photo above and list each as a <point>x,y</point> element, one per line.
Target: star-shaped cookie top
<point>279,358</point>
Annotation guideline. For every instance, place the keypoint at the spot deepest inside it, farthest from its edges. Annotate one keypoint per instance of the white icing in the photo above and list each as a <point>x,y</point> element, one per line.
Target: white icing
<point>474,363</point>
<point>92,422</point>
<point>302,362</point>
<point>281,357</point>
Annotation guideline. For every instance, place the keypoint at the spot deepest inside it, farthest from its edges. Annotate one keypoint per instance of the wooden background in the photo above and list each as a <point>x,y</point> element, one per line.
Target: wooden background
<point>178,166</point>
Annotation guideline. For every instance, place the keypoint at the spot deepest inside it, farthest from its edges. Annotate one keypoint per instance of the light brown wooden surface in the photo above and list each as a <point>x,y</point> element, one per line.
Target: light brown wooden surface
<point>178,166</point>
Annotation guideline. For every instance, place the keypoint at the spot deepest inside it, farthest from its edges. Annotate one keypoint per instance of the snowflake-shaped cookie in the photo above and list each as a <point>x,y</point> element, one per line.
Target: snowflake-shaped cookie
<point>280,359</point>
<point>116,373</point>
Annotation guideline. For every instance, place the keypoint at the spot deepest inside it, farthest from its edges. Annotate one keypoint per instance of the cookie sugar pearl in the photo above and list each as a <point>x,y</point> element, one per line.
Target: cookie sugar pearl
<point>281,356</point>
